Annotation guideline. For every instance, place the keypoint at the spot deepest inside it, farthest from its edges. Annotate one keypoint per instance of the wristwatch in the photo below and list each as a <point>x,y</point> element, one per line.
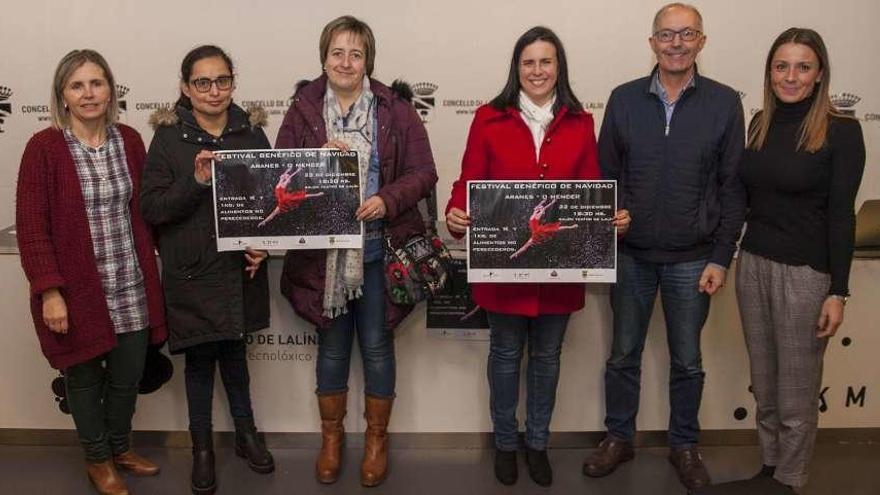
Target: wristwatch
<point>841,298</point>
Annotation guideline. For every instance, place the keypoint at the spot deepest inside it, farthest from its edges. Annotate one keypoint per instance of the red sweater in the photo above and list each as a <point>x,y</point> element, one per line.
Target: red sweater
<point>56,248</point>
<point>500,147</point>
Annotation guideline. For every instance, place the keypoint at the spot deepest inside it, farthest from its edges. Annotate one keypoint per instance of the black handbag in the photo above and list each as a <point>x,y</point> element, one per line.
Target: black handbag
<point>419,268</point>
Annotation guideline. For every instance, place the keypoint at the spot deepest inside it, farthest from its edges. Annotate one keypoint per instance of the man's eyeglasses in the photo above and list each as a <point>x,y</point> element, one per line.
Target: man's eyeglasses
<point>203,84</point>
<point>686,34</point>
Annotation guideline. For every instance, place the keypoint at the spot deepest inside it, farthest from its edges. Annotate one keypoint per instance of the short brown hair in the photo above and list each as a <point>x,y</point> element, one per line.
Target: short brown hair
<point>66,67</point>
<point>357,28</point>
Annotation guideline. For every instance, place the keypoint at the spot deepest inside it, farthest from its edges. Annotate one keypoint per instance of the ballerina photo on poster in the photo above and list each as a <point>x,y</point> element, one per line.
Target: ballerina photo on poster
<point>541,232</point>
<point>469,314</point>
<point>287,200</point>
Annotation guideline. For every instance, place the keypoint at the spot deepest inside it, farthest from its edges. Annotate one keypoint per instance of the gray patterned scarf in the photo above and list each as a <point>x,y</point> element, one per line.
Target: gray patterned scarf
<point>344,277</point>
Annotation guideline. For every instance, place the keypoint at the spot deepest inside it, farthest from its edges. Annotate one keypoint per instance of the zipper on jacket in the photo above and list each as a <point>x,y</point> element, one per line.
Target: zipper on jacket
<point>663,173</point>
<point>678,102</point>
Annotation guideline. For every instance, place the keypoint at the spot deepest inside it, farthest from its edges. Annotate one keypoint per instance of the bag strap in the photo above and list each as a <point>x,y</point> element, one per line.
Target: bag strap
<point>431,206</point>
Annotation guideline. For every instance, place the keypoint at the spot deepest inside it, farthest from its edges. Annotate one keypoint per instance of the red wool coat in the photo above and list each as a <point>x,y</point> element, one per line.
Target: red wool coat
<point>56,248</point>
<point>500,147</point>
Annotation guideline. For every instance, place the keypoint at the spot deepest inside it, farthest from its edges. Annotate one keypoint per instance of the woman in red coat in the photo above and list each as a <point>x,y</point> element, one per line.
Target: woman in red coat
<point>535,129</point>
<point>89,259</point>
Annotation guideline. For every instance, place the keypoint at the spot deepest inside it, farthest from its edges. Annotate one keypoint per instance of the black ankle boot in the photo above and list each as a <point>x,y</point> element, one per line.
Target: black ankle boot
<point>539,466</point>
<point>249,446</point>
<point>505,466</point>
<point>765,472</point>
<point>203,478</point>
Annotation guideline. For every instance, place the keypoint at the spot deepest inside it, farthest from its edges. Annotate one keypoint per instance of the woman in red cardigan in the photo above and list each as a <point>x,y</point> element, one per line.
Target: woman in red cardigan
<point>88,255</point>
<point>535,129</point>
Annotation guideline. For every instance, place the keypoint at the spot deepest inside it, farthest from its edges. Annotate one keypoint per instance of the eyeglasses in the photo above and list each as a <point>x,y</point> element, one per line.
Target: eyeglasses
<point>203,84</point>
<point>686,34</point>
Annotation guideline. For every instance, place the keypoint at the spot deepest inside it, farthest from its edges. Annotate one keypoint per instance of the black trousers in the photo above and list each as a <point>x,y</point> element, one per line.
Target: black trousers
<point>102,393</point>
<point>200,366</point>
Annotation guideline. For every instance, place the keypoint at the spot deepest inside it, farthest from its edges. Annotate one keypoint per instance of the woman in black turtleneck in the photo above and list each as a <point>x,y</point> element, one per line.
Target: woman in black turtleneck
<point>802,168</point>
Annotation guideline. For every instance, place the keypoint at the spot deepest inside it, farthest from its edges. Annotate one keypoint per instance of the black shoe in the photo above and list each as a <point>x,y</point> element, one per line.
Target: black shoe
<point>539,466</point>
<point>765,472</point>
<point>204,481</point>
<point>249,446</point>
<point>505,466</point>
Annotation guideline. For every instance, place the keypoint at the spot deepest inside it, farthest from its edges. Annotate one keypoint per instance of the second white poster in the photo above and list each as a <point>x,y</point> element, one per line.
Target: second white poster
<point>542,231</point>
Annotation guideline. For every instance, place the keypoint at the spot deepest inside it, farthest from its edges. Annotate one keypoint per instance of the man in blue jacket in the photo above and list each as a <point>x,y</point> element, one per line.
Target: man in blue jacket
<point>673,141</point>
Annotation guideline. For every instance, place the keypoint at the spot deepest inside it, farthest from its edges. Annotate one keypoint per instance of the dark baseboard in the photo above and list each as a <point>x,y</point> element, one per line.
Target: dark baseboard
<point>443,440</point>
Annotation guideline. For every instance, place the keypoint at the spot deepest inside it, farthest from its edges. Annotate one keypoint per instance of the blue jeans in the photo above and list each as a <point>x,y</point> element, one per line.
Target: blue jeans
<point>508,337</point>
<point>685,310</point>
<point>366,318</point>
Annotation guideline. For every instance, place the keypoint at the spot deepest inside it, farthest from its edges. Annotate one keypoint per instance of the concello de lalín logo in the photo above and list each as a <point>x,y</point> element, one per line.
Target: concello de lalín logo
<point>424,100</point>
<point>282,347</point>
<point>121,91</point>
<point>846,104</point>
<point>5,105</point>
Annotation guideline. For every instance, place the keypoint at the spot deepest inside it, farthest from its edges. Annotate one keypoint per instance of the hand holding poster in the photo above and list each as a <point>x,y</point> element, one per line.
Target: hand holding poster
<point>542,231</point>
<point>286,199</point>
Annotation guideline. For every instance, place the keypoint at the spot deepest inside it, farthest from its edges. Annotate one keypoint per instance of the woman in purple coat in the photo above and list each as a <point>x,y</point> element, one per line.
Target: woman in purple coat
<point>342,291</point>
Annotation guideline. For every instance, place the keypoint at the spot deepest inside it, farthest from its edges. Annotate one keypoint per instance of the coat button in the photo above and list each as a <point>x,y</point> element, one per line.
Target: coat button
<point>545,166</point>
<point>541,176</point>
<point>547,140</point>
<point>185,135</point>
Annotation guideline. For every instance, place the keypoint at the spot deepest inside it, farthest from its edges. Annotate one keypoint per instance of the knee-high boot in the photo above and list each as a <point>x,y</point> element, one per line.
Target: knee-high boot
<point>332,408</point>
<point>375,464</point>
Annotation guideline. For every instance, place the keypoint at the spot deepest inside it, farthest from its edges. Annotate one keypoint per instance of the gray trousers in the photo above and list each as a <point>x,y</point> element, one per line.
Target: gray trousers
<point>779,306</point>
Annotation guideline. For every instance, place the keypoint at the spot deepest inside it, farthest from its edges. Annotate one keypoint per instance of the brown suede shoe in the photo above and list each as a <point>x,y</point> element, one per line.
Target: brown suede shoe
<point>374,467</point>
<point>105,478</point>
<point>611,453</point>
<point>689,465</point>
<point>135,464</point>
<point>332,408</point>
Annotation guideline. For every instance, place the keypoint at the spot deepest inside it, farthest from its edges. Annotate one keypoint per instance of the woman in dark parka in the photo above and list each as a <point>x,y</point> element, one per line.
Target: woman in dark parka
<point>213,298</point>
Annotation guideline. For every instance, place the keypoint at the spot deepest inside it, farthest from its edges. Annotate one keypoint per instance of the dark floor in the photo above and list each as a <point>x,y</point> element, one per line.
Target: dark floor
<point>836,470</point>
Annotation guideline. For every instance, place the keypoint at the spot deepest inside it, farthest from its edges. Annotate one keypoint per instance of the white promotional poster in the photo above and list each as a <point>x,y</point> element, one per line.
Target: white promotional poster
<point>542,231</point>
<point>454,314</point>
<point>287,199</point>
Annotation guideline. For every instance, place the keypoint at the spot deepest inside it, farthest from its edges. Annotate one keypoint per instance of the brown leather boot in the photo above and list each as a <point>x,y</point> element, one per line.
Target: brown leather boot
<point>332,408</point>
<point>105,478</point>
<point>374,468</point>
<point>611,453</point>
<point>689,465</point>
<point>135,464</point>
